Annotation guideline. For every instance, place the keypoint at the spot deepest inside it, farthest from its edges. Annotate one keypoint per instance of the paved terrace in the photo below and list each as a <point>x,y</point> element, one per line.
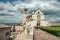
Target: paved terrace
<point>42,35</point>
<point>38,35</point>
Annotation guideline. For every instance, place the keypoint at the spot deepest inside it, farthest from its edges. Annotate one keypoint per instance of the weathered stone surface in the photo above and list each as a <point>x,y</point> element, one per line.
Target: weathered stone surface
<point>42,35</point>
<point>30,37</point>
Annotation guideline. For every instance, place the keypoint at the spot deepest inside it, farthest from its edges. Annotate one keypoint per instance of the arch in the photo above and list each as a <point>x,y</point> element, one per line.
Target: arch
<point>38,23</point>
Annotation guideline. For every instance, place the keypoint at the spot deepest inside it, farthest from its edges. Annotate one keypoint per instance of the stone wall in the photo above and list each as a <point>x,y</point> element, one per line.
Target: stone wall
<point>54,24</point>
<point>5,33</point>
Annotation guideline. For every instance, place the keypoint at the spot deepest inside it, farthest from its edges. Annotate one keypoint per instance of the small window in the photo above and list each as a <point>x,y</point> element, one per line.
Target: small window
<point>7,33</point>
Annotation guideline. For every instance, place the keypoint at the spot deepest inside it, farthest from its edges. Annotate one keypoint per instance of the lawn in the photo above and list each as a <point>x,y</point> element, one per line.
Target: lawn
<point>55,30</point>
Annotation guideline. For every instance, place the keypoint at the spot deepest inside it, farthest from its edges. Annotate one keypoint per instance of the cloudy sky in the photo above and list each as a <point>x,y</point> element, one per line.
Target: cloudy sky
<point>11,10</point>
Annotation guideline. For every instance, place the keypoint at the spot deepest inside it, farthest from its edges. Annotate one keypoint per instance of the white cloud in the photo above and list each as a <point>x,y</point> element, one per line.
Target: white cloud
<point>45,5</point>
<point>54,19</point>
<point>10,10</point>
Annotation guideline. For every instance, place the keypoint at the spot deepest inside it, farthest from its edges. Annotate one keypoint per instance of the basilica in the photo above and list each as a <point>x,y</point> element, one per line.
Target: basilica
<point>36,19</point>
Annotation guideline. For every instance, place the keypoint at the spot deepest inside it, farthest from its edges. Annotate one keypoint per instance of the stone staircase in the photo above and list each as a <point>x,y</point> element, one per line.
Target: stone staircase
<point>21,36</point>
<point>29,37</point>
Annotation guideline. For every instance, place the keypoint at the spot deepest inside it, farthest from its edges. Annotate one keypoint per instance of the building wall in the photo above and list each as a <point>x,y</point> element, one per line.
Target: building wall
<point>34,23</point>
<point>24,17</point>
<point>44,23</point>
<point>54,24</point>
<point>5,33</point>
<point>42,17</point>
<point>34,16</point>
<point>19,28</point>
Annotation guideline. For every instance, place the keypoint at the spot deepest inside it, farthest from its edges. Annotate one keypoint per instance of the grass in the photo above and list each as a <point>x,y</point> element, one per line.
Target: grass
<point>55,30</point>
<point>52,28</point>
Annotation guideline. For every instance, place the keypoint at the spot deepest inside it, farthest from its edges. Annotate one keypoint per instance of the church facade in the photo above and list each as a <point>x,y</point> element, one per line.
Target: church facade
<point>36,19</point>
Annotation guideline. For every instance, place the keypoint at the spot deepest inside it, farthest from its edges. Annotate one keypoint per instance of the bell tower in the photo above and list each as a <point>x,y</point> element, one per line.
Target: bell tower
<point>25,14</point>
<point>25,10</point>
